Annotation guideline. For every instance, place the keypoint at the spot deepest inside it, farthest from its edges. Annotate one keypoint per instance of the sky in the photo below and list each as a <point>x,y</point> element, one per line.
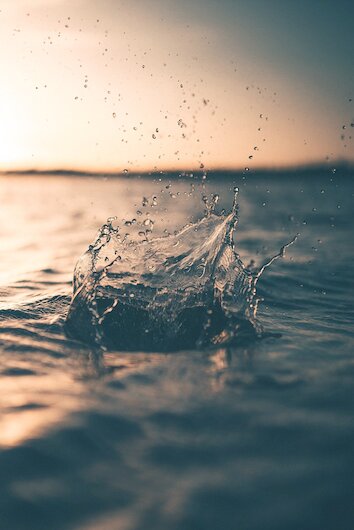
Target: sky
<point>110,85</point>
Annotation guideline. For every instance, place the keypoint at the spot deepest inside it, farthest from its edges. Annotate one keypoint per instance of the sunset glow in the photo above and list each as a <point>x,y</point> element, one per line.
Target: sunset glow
<point>143,85</point>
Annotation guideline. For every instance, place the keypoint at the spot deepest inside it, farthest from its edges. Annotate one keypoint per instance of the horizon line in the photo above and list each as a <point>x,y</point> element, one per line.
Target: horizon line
<point>346,165</point>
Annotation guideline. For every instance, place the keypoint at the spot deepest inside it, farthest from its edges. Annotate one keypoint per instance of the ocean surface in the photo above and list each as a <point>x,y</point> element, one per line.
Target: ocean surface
<point>238,430</point>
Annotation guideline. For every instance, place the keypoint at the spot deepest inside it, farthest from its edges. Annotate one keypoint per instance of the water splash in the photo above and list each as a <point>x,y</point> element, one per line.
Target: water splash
<point>182,291</point>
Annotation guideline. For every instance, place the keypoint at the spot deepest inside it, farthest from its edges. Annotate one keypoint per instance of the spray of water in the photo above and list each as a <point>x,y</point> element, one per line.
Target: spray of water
<point>182,291</point>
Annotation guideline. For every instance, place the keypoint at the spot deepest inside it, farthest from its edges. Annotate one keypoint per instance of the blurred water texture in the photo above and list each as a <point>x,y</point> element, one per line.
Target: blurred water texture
<point>259,436</point>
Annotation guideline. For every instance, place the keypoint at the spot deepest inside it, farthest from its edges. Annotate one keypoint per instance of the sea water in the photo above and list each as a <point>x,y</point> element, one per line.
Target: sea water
<point>243,419</point>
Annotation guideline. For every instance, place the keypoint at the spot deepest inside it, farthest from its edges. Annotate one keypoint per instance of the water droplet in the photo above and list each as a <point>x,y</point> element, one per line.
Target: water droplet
<point>114,114</point>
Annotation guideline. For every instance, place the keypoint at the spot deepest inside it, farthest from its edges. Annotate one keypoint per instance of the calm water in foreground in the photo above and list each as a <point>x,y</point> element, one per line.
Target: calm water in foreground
<point>257,436</point>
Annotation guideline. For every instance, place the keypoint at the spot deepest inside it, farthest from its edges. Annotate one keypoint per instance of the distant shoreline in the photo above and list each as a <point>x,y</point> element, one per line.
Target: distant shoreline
<point>314,170</point>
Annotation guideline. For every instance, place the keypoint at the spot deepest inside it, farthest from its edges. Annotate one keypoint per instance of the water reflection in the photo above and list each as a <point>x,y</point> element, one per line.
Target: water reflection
<point>34,404</point>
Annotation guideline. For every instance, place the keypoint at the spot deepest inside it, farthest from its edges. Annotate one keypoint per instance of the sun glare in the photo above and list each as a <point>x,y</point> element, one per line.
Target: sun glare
<point>13,145</point>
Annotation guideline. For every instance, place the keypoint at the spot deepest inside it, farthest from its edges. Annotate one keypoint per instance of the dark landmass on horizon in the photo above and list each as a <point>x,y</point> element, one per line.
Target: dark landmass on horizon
<point>343,168</point>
